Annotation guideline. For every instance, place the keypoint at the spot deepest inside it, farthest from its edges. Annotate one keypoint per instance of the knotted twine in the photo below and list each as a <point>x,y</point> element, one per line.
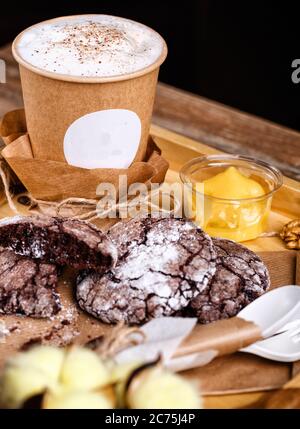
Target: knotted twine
<point>89,209</point>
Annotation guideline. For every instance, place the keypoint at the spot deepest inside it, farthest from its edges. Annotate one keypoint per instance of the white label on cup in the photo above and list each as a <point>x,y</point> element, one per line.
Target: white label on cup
<point>104,139</point>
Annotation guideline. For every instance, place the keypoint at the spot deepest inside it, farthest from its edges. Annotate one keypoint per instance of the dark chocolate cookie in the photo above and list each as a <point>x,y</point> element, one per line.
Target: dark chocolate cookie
<point>241,277</point>
<point>27,286</point>
<point>60,241</point>
<point>163,264</point>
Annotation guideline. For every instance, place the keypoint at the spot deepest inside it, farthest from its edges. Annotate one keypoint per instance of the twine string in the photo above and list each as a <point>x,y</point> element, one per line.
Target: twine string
<point>120,338</point>
<point>269,234</point>
<point>83,204</point>
<point>96,212</point>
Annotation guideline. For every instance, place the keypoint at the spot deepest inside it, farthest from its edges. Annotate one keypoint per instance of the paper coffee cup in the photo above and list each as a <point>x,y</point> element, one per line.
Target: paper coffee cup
<point>63,110</point>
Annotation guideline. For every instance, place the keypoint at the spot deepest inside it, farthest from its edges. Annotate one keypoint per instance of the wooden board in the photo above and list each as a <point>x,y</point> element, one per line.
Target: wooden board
<point>178,150</point>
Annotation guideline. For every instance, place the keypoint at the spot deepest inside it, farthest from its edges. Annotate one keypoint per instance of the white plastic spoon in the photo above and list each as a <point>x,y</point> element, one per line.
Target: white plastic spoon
<point>281,347</point>
<point>273,310</point>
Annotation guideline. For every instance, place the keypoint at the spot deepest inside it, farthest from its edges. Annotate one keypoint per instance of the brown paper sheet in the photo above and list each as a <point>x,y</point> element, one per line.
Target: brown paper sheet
<point>240,373</point>
<point>288,397</point>
<point>223,337</point>
<point>13,126</point>
<point>54,181</point>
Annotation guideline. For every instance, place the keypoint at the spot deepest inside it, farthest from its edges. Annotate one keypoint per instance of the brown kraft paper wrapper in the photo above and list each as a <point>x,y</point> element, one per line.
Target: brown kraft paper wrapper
<point>223,337</point>
<point>54,181</point>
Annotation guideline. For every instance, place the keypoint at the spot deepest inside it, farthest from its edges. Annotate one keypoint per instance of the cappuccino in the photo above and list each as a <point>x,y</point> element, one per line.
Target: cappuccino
<point>90,46</point>
<point>89,84</point>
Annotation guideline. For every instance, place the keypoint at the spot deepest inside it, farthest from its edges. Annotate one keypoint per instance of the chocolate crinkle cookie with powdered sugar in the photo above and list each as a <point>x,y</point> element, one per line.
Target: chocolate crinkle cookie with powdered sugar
<point>59,241</point>
<point>163,264</point>
<point>241,277</point>
<point>27,286</point>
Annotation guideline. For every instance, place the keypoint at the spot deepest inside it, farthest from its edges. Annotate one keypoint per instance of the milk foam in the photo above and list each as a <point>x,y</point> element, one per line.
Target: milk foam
<point>90,46</point>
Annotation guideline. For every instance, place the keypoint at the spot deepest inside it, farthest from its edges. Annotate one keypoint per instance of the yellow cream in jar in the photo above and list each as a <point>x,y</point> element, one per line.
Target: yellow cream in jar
<point>227,210</point>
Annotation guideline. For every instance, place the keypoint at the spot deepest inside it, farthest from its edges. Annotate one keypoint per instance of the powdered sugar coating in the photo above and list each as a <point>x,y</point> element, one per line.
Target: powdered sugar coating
<point>90,46</point>
<point>163,264</point>
<point>240,278</point>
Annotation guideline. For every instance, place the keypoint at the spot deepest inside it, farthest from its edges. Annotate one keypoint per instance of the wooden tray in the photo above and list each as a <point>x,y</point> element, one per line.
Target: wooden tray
<point>73,324</point>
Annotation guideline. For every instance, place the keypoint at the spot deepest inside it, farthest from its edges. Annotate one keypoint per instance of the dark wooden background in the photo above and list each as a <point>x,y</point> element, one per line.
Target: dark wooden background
<point>236,52</point>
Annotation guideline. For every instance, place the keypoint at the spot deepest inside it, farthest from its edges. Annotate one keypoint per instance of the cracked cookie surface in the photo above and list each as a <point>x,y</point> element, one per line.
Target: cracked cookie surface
<point>163,264</point>
<point>240,278</point>
<point>27,286</point>
<point>60,241</point>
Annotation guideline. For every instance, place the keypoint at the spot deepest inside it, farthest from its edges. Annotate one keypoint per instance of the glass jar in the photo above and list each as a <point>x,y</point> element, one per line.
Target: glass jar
<point>238,219</point>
